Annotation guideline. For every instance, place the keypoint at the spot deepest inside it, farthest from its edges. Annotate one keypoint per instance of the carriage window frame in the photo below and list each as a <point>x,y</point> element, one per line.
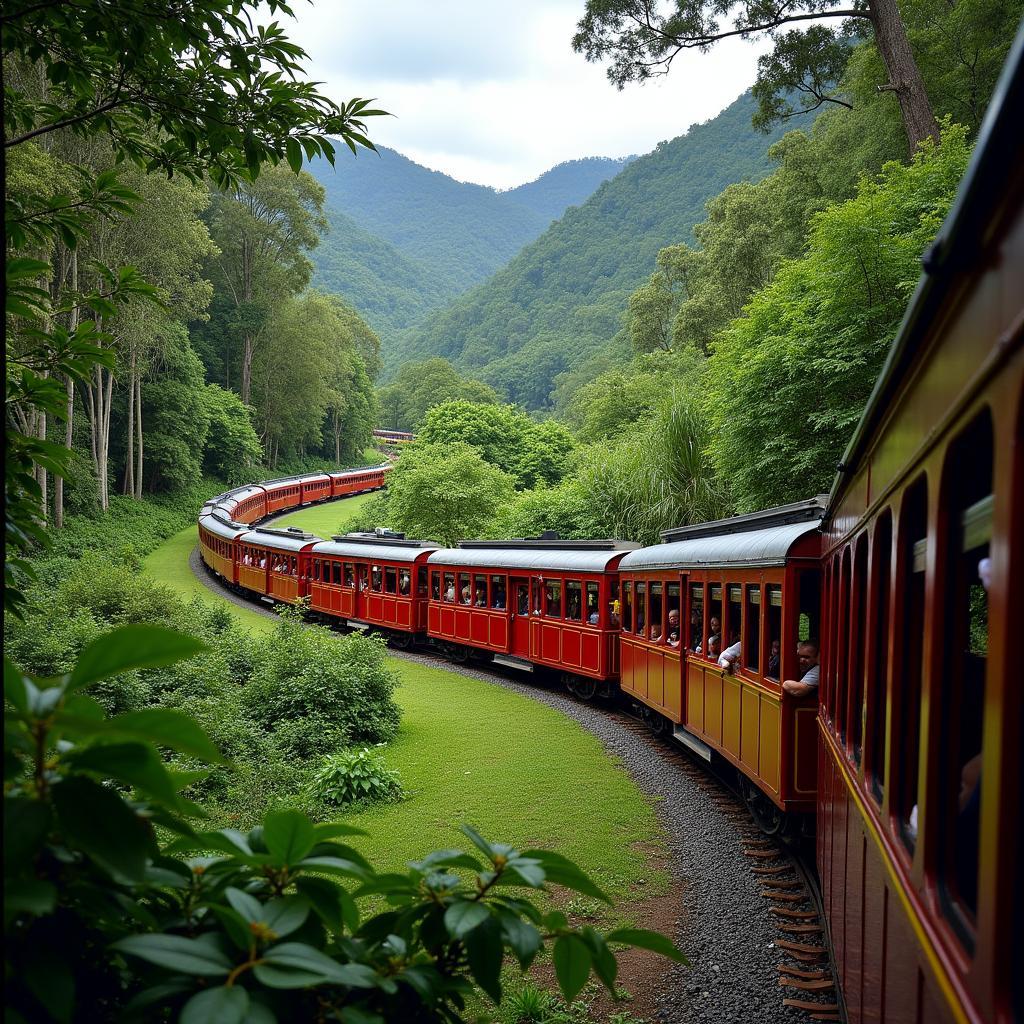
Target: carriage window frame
<point>877,698</point>
<point>695,640</point>
<point>498,584</point>
<point>673,603</point>
<point>390,579</point>
<point>626,618</point>
<point>573,588</point>
<point>640,608</point>
<point>713,589</point>
<point>464,585</point>
<point>449,584</point>
<point>751,647</point>
<point>858,661</point>
<point>435,585</point>
<point>592,599</point>
<point>480,582</point>
<point>656,610</point>
<point>552,609</point>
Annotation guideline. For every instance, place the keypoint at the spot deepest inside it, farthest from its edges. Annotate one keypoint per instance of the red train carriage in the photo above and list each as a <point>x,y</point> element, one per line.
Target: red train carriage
<point>272,562</point>
<point>284,493</point>
<point>244,504</point>
<point>218,538</point>
<point>920,844</point>
<point>751,581</point>
<point>314,487</point>
<point>532,602</point>
<point>374,580</point>
<point>356,481</point>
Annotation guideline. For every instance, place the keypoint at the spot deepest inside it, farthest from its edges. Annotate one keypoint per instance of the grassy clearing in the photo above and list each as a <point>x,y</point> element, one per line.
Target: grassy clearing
<point>323,520</point>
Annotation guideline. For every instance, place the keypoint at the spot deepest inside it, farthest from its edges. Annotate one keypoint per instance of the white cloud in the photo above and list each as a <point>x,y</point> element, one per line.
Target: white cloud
<point>493,93</point>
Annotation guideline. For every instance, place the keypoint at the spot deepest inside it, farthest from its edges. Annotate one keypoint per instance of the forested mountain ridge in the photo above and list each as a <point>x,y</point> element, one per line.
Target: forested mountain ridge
<point>405,239</point>
<point>559,301</point>
<point>567,184</point>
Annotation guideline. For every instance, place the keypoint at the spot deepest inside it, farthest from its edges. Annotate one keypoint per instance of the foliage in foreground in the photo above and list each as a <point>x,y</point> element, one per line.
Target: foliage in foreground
<point>115,905</point>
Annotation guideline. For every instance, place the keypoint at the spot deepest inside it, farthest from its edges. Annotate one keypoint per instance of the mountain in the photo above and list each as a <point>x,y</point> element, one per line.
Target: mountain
<point>559,302</point>
<point>566,184</point>
<point>405,239</point>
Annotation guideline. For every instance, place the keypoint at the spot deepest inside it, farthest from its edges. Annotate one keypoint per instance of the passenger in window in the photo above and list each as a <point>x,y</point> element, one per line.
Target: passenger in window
<point>481,598</point>
<point>728,658</point>
<point>715,638</point>
<point>774,656</point>
<point>807,657</point>
<point>572,605</point>
<point>714,647</point>
<point>449,594</point>
<point>616,614</point>
<point>499,597</point>
<point>403,581</point>
<point>673,628</point>
<point>467,595</point>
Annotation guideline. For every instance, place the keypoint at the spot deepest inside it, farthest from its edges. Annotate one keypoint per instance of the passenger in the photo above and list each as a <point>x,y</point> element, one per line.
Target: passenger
<point>523,602</point>
<point>403,581</point>
<point>774,655</point>
<point>673,628</point>
<point>449,594</point>
<point>807,656</point>
<point>616,614</point>
<point>499,598</point>
<point>594,618</point>
<point>728,658</point>
<point>715,625</point>
<point>714,647</point>
<point>481,598</point>
<point>467,595</point>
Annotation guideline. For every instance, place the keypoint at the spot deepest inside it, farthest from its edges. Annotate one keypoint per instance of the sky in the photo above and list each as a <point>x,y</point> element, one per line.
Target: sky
<point>493,93</point>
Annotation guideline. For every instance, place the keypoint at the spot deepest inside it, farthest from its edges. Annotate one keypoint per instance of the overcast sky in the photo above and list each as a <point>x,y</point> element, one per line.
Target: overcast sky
<point>493,93</point>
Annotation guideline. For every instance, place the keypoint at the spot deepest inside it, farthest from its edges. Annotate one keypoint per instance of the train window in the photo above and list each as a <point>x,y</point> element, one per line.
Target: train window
<point>404,581</point>
<point>499,591</point>
<point>593,604</point>
<point>913,529</point>
<point>553,599</point>
<point>350,575</point>
<point>449,587</point>
<point>435,586</point>
<point>376,579</point>
<point>672,614</point>
<point>390,580</point>
<point>627,606</point>
<point>421,581</point>
<point>574,600</point>
<point>293,568</point>
<point>465,590</point>
<point>752,629</point>
<point>878,688</point>
<point>713,647</point>
<point>858,642</point>
<point>316,570</point>
<point>656,594</point>
<point>522,599</point>
<point>535,587</point>
<point>837,692</point>
<point>640,618</point>
<point>480,591</point>
<point>696,637</point>
<point>734,615</point>
<point>773,640</point>
<point>614,608</point>
<point>968,489</point>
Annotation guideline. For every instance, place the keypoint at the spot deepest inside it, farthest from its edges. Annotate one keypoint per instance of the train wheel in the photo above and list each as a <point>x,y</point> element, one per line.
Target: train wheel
<point>585,689</point>
<point>401,641</point>
<point>458,654</point>
<point>657,724</point>
<point>768,818</point>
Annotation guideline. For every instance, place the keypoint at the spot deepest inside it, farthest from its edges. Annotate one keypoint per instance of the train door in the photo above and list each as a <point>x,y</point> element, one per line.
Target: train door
<point>520,617</point>
<point>362,590</point>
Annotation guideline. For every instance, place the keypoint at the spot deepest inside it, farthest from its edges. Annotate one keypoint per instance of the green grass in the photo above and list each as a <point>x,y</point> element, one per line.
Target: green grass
<point>324,520</point>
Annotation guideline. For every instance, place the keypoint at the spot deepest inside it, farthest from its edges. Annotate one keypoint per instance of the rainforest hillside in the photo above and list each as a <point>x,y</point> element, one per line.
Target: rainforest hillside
<point>559,302</point>
<point>405,239</point>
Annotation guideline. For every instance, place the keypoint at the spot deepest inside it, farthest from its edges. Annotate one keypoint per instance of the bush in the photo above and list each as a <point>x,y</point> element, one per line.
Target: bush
<point>356,776</point>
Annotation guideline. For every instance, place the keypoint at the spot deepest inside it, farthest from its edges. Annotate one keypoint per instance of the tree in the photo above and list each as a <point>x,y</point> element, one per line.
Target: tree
<point>788,379</point>
<point>653,306</point>
<point>418,386</point>
<point>641,42</point>
<point>263,229</point>
<point>445,492</point>
<point>233,450</point>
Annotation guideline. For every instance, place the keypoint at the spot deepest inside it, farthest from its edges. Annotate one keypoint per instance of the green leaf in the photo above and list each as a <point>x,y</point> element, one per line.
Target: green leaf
<point>102,825</point>
<point>235,925</point>
<point>478,840</point>
<point>606,967</point>
<point>289,836</point>
<point>30,896</point>
<point>285,914</point>
<point>245,904</point>
<point>14,687</point>
<point>176,953</point>
<point>572,965</point>
<point>463,916</point>
<point>131,647</point>
<point>167,727</point>
<point>330,829</point>
<point>294,154</point>
<point>26,823</point>
<point>332,904</point>
<point>221,1005</point>
<point>484,951</point>
<point>340,866</point>
<point>524,939</point>
<point>644,939</point>
<point>562,871</point>
<point>136,764</point>
<point>298,959</point>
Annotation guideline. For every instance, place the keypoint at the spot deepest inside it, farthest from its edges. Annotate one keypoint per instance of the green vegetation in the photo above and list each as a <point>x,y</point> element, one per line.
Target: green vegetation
<point>102,825</point>
<point>356,776</point>
<point>419,386</point>
<point>329,518</point>
<point>557,305</point>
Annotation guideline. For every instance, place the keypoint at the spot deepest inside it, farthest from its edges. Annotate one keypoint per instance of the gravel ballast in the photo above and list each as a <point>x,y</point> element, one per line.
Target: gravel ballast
<point>726,928</point>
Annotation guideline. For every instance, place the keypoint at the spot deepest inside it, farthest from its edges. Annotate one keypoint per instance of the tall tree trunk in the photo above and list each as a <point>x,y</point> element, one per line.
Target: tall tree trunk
<point>247,349</point>
<point>138,444</point>
<point>129,457</point>
<point>44,510</point>
<point>58,481</point>
<point>337,441</point>
<point>904,75</point>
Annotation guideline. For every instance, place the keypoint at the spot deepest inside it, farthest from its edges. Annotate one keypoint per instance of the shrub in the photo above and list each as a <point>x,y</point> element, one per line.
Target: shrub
<point>103,920</point>
<point>355,776</point>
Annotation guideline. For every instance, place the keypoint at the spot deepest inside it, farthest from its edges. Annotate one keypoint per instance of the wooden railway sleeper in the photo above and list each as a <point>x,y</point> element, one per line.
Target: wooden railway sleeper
<point>808,985</point>
<point>801,947</point>
<point>801,972</point>
<point>811,1006</point>
<point>805,915</point>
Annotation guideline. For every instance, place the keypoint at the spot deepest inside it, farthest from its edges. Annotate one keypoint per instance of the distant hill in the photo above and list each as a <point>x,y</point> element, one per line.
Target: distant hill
<point>566,184</point>
<point>559,302</point>
<point>405,239</point>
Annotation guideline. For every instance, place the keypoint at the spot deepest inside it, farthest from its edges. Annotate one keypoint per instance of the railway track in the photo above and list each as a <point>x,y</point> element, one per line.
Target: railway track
<point>780,876</point>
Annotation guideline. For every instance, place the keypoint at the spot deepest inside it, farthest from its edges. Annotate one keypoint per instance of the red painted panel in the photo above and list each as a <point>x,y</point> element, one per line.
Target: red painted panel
<point>591,652</point>
<point>550,642</point>
<point>656,678</point>
<point>463,624</point>
<point>713,705</point>
<point>628,655</point>
<point>478,628</point>
<point>497,635</point>
<point>855,868</point>
<point>902,975</point>
<point>434,620</point>
<point>842,880</point>
<point>873,953</point>
<point>571,648</point>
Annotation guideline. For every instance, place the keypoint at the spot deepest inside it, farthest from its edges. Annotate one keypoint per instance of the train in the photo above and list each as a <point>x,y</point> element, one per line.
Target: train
<point>897,592</point>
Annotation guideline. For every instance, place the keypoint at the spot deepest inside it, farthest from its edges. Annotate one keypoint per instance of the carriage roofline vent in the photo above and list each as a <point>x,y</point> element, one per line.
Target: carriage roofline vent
<point>805,511</point>
<point>386,538</point>
<point>543,543</point>
<point>291,531</point>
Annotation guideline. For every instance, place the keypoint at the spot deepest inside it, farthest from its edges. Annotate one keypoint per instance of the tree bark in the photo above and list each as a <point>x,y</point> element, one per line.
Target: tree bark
<point>69,424</point>
<point>247,350</point>
<point>129,458</point>
<point>904,75</point>
<point>138,440</point>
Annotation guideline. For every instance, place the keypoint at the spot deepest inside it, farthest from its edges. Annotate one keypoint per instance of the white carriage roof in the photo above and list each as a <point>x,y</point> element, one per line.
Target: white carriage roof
<point>222,527</point>
<point>373,552</point>
<point>241,493</point>
<point>309,477</point>
<point>530,559</point>
<point>282,540</point>
<point>752,548</point>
